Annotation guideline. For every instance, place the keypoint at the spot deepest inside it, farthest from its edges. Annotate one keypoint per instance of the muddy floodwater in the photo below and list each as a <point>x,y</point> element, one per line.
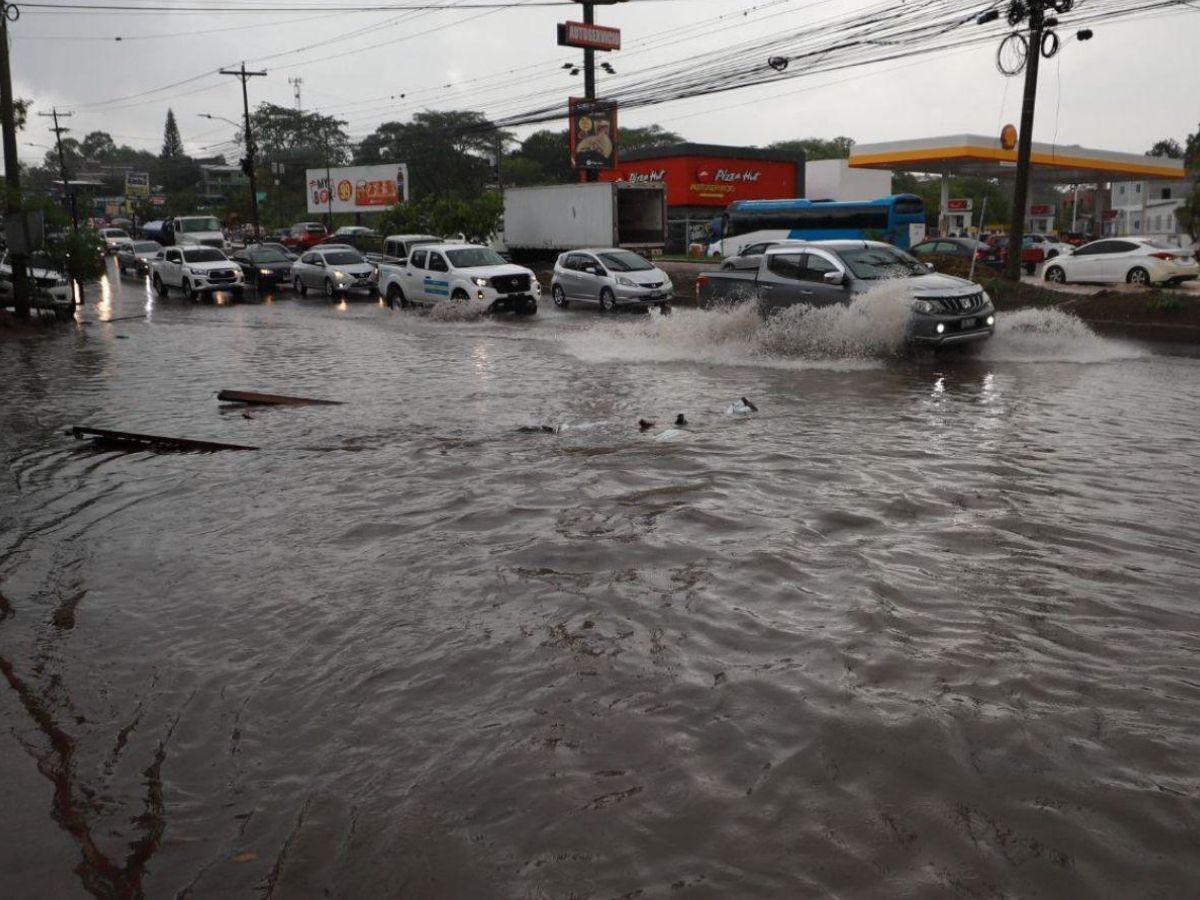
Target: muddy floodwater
<point>920,627</point>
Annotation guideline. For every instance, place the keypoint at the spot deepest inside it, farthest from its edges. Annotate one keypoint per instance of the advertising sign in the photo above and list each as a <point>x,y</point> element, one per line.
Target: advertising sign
<point>345,189</point>
<point>960,205</point>
<point>593,134</point>
<point>711,180</point>
<point>594,37</point>
<point>137,184</point>
<point>1041,209</point>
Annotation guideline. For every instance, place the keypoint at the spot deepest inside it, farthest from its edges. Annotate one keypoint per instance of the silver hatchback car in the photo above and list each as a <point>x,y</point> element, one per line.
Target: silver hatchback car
<point>610,278</point>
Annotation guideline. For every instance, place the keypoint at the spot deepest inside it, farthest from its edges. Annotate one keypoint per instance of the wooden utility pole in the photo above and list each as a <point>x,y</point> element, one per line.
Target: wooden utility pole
<point>12,166</point>
<point>1016,231</point>
<point>68,194</point>
<point>248,161</point>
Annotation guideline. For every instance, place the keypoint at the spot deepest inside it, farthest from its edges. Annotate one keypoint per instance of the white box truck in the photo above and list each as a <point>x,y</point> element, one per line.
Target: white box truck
<point>540,221</point>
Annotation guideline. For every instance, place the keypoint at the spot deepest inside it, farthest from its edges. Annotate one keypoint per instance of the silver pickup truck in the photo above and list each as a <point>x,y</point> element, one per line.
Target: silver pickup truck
<point>946,310</point>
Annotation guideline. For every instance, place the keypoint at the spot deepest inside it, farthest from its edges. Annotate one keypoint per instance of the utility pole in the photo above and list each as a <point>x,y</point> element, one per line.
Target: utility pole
<point>589,72</point>
<point>1033,56</point>
<point>248,162</point>
<point>295,83</point>
<point>12,166</point>
<point>68,194</point>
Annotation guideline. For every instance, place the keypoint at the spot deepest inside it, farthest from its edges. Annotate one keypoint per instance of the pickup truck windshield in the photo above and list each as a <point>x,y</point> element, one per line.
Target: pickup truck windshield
<point>147,247</point>
<point>472,257</point>
<point>199,223</point>
<point>203,254</point>
<point>342,258</point>
<point>624,261</point>
<point>873,263</point>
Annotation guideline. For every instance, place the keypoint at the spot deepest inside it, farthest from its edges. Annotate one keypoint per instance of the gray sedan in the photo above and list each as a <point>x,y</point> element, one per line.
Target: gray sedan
<point>610,278</point>
<point>334,269</point>
<point>135,256</point>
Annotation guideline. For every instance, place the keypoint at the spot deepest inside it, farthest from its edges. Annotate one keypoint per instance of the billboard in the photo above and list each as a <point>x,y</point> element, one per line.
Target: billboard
<point>593,133</point>
<point>594,37</point>
<point>695,180</point>
<point>346,189</point>
<point>137,184</point>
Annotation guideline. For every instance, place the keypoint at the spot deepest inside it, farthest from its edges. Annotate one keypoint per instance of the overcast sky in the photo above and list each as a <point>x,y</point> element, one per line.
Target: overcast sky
<point>1134,83</point>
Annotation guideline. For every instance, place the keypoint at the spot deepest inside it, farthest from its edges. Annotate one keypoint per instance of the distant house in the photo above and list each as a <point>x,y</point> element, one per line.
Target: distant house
<point>1148,209</point>
<point>218,181</point>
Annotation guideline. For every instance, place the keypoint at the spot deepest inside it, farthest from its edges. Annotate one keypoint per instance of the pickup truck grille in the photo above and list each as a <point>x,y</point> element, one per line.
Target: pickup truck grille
<point>965,304</point>
<point>510,284</point>
<point>221,275</point>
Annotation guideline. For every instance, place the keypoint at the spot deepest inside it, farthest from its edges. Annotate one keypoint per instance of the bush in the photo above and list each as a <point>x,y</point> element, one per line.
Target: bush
<point>477,218</point>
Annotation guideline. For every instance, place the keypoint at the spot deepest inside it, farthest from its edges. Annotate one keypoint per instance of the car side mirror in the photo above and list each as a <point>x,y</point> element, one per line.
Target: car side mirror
<point>929,267</point>
<point>834,277</point>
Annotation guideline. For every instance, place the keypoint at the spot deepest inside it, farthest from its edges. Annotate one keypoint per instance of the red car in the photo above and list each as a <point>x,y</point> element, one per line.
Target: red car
<point>304,235</point>
<point>1032,255</point>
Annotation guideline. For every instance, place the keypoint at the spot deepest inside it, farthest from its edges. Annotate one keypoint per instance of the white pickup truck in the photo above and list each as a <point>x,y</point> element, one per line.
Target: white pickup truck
<point>195,271</point>
<point>463,273</point>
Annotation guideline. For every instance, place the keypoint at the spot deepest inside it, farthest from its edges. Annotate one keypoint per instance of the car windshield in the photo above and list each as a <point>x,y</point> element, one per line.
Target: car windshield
<point>203,254</point>
<point>624,261</point>
<point>342,258</point>
<point>282,249</point>
<point>146,247</point>
<point>199,223</point>
<point>268,254</point>
<point>114,233</point>
<point>874,263</point>
<point>473,257</point>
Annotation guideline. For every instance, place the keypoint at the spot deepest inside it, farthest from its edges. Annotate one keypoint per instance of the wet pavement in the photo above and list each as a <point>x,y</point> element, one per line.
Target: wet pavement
<point>919,627</point>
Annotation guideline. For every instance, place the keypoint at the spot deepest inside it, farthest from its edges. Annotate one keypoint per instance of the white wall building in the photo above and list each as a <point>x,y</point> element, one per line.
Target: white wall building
<point>1148,209</point>
<point>833,179</point>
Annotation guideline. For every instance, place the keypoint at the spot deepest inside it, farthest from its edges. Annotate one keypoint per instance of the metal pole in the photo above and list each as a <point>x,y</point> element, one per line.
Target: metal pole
<point>1016,231</point>
<point>12,166</point>
<point>975,255</point>
<point>589,71</point>
<point>1075,209</point>
<point>68,194</point>
<point>246,76</point>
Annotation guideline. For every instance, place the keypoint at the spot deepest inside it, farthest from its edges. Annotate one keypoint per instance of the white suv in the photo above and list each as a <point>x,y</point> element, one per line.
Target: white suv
<point>196,271</point>
<point>464,273</point>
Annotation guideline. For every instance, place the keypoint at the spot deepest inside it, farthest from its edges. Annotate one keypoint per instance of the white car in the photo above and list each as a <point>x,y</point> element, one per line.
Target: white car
<point>1135,260</point>
<point>355,231</point>
<point>113,239</point>
<point>333,269</point>
<point>463,273</point>
<point>1049,246</point>
<point>52,288</point>
<point>195,271</point>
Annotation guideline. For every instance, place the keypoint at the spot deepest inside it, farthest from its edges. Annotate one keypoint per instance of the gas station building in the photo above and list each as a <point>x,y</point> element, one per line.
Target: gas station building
<point>973,155</point>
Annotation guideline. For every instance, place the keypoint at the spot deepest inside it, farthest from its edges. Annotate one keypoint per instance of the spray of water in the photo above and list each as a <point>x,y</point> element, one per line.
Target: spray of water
<point>1050,335</point>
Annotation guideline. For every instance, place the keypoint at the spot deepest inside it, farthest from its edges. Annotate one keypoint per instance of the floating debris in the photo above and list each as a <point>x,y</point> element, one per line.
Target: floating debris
<point>253,398</point>
<point>128,440</point>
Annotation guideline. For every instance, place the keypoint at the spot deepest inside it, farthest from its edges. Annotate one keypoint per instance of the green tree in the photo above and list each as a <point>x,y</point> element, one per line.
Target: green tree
<point>817,148</point>
<point>549,151</point>
<point>20,112</point>
<point>172,147</point>
<point>477,217</point>
<point>521,171</point>
<point>1168,147</point>
<point>650,136</point>
<point>97,146</point>
<point>999,201</point>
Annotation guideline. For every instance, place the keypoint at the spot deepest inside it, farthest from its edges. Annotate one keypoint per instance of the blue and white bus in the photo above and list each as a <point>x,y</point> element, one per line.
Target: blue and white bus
<point>890,219</point>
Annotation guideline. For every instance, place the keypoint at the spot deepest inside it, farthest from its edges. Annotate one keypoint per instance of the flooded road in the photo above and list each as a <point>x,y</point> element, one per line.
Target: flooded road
<point>919,627</point>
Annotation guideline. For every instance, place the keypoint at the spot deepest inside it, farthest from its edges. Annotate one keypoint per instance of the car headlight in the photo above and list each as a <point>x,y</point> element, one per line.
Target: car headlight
<point>625,282</point>
<point>925,306</point>
<point>339,274</point>
<point>195,271</point>
<point>987,299</point>
<point>264,271</point>
<point>479,282</point>
<point>537,286</point>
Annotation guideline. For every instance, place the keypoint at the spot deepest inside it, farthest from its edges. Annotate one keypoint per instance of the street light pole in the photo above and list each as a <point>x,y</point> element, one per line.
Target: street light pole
<point>12,166</point>
<point>248,162</point>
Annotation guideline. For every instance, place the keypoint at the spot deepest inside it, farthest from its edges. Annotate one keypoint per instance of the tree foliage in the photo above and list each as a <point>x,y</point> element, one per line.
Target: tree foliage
<point>999,199</point>
<point>172,147</point>
<point>817,148</point>
<point>1168,147</point>
<point>476,217</point>
<point>448,152</point>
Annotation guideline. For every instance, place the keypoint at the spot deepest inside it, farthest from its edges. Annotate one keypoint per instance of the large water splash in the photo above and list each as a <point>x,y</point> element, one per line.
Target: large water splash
<point>1050,335</point>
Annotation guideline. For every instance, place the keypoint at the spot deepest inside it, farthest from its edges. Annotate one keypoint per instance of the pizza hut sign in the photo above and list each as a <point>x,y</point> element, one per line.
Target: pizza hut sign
<point>728,176</point>
<point>654,176</point>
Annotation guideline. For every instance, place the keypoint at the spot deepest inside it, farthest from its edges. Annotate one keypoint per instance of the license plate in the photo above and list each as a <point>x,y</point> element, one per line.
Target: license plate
<point>656,295</point>
<point>968,323</point>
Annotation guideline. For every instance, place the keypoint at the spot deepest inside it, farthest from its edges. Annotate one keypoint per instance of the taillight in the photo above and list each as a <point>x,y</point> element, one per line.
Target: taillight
<point>701,283</point>
<point>1163,255</point>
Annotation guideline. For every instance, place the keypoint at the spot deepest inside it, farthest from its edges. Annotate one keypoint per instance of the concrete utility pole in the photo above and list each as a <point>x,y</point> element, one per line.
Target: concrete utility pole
<point>1016,232</point>
<point>68,194</point>
<point>12,166</point>
<point>248,161</point>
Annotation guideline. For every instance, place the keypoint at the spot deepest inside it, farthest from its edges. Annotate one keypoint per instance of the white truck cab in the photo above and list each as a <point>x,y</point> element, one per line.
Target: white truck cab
<point>198,230</point>
<point>195,271</point>
<point>396,247</point>
<point>462,273</point>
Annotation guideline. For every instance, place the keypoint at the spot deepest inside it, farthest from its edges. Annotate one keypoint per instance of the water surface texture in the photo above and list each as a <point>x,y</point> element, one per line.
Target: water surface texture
<point>920,627</point>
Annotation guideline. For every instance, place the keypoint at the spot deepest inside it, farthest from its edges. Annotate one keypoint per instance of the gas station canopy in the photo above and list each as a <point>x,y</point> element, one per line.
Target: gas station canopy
<point>984,157</point>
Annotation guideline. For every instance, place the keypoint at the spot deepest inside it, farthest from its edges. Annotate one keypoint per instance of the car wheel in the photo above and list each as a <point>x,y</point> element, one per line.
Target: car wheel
<point>529,308</point>
<point>159,287</point>
<point>1138,275</point>
<point>560,297</point>
<point>189,292</point>
<point>608,302</point>
<point>1056,275</point>
<point>459,296</point>
<point>395,297</point>
<point>330,293</point>
<point>300,287</point>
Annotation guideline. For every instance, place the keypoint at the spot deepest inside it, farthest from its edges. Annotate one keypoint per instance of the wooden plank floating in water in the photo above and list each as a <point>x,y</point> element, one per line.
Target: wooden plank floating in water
<point>256,399</point>
<point>130,441</point>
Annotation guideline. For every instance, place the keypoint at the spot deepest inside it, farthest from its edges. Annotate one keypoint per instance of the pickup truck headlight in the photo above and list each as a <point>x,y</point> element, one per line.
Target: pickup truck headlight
<point>537,286</point>
<point>925,306</point>
<point>479,282</point>
<point>195,271</point>
<point>264,271</point>
<point>625,282</point>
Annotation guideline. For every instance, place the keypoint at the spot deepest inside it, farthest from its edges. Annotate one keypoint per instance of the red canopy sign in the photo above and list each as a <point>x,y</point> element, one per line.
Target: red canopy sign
<point>591,37</point>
